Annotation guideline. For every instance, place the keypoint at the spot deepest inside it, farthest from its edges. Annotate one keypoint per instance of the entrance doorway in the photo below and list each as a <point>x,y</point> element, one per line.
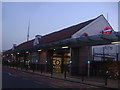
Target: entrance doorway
<point>57,63</point>
<point>60,60</point>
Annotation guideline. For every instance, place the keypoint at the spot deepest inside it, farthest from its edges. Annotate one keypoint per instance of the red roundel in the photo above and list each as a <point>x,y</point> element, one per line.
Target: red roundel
<point>107,30</point>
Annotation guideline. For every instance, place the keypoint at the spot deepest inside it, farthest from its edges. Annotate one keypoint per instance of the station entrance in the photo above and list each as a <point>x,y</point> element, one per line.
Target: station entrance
<point>60,59</point>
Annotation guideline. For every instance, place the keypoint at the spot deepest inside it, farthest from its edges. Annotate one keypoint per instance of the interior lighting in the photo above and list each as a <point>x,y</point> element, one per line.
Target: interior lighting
<point>70,61</point>
<point>36,60</point>
<point>65,47</point>
<point>27,52</point>
<point>115,42</point>
<point>39,50</point>
<point>88,62</point>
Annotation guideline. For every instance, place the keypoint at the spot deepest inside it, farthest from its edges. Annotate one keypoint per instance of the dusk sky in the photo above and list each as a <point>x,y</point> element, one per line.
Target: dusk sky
<point>47,17</point>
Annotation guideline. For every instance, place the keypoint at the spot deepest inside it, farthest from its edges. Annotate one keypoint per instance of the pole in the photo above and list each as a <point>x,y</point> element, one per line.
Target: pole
<point>36,66</point>
<point>82,76</point>
<point>51,71</point>
<point>28,30</point>
<point>88,69</point>
<point>103,53</point>
<point>93,53</point>
<point>106,78</point>
<point>116,56</point>
<point>107,16</point>
<point>46,67</point>
<point>65,72</point>
<point>41,68</point>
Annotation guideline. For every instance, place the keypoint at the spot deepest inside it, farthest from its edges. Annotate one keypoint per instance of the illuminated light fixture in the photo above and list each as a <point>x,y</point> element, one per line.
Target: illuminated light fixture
<point>46,61</point>
<point>65,47</point>
<point>36,60</point>
<point>39,50</point>
<point>18,53</point>
<point>115,42</point>
<point>8,60</point>
<point>88,62</point>
<point>54,49</point>
<point>70,61</point>
<point>27,52</point>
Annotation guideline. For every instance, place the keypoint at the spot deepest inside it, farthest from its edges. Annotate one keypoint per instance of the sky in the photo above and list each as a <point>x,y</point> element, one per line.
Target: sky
<point>119,17</point>
<point>48,17</point>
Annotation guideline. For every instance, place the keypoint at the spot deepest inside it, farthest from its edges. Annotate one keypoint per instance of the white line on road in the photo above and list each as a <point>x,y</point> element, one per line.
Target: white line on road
<point>12,75</point>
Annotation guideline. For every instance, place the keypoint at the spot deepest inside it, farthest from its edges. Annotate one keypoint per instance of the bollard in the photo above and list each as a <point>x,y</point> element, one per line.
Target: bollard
<point>65,73</point>
<point>51,73</point>
<point>106,81</point>
<point>33,68</point>
<point>51,69</point>
<point>26,68</point>
<point>21,66</point>
<point>41,69</point>
<point>82,78</point>
<point>106,78</point>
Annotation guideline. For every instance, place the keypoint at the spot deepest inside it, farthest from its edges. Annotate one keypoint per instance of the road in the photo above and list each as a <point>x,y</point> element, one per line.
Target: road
<point>13,78</point>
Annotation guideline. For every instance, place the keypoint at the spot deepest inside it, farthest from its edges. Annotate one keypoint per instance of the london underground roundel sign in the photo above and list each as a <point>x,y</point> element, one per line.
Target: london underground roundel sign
<point>107,30</point>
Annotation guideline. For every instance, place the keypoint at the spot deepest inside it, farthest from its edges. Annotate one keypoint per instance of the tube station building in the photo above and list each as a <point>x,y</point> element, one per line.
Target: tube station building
<point>69,48</point>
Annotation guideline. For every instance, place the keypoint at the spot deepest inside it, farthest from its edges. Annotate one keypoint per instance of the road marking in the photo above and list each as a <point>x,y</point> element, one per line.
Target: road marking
<point>12,75</point>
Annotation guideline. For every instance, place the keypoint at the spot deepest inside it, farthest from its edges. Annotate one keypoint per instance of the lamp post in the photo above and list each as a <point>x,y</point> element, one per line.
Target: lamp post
<point>36,64</point>
<point>41,67</point>
<point>70,66</point>
<point>65,70</point>
<point>88,62</point>
<point>46,66</point>
<point>51,70</point>
<point>103,53</point>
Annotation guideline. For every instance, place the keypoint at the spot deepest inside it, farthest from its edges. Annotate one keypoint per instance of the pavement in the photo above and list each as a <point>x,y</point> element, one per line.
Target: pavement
<point>89,81</point>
